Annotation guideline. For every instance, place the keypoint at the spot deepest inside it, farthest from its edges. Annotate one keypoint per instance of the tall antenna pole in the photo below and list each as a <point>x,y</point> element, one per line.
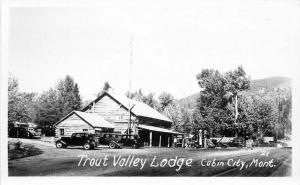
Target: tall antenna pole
<point>129,91</point>
<point>130,64</point>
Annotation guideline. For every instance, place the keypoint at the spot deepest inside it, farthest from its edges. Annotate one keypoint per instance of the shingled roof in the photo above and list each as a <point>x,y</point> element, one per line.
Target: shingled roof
<point>140,109</point>
<point>93,120</point>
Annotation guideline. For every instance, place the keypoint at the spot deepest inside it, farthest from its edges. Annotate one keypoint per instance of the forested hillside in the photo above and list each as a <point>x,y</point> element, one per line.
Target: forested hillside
<point>256,86</point>
<point>265,105</point>
<point>270,83</point>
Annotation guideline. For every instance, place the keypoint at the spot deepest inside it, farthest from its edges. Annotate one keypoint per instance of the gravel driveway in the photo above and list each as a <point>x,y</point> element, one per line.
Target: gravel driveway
<point>129,162</point>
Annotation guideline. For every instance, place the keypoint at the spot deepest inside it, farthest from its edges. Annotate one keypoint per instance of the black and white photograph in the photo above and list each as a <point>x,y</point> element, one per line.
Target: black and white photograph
<point>149,88</point>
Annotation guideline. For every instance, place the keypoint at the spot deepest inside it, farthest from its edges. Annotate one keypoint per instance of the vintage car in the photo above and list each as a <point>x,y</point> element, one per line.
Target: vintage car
<point>86,140</point>
<point>237,142</point>
<point>117,140</point>
<point>20,132</point>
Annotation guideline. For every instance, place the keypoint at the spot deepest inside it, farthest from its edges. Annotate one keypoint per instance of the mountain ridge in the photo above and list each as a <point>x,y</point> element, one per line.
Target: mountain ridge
<point>256,85</point>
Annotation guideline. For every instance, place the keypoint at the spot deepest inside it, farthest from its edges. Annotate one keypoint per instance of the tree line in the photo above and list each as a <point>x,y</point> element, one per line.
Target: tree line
<point>44,109</point>
<point>224,106</point>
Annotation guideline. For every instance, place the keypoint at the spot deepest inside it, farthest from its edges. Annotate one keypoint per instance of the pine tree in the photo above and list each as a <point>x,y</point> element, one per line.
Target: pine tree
<point>165,99</point>
<point>47,108</point>
<point>68,96</point>
<point>105,88</point>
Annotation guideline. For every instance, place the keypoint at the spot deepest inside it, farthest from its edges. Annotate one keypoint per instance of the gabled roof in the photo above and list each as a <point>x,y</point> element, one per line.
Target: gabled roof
<point>94,120</point>
<point>140,109</point>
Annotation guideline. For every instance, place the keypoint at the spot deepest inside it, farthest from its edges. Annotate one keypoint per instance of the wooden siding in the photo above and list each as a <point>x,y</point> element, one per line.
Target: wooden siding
<point>72,124</point>
<point>121,126</point>
<point>117,114</point>
<point>112,112</point>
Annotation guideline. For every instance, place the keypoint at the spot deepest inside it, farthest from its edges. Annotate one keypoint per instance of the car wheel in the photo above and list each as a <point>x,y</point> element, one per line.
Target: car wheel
<point>112,145</point>
<point>59,145</point>
<point>87,146</point>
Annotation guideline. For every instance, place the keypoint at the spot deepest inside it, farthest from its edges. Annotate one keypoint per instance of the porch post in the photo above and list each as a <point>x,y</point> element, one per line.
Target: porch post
<point>159,140</point>
<point>168,142</point>
<point>150,142</point>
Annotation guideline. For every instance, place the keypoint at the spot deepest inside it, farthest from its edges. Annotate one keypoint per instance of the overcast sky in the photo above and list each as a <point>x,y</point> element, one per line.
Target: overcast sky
<point>172,42</point>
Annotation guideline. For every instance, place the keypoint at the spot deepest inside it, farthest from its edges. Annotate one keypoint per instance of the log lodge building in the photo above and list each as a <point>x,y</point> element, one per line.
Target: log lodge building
<point>111,112</point>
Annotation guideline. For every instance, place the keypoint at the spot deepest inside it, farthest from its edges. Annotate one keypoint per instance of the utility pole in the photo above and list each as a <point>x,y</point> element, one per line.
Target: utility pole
<point>129,91</point>
<point>130,63</point>
<point>93,106</point>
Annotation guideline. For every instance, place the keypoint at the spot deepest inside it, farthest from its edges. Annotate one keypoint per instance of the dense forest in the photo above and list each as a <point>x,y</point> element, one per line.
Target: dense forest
<point>229,104</point>
<point>44,109</point>
<point>265,107</point>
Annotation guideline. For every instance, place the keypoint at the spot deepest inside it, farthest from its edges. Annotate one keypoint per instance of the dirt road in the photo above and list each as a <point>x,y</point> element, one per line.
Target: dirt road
<point>152,162</point>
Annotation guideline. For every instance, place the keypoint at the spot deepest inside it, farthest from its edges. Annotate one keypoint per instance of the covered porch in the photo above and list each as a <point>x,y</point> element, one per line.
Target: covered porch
<point>156,136</point>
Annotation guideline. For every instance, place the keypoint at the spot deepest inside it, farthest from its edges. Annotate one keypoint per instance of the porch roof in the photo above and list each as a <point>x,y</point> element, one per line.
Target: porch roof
<point>158,129</point>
